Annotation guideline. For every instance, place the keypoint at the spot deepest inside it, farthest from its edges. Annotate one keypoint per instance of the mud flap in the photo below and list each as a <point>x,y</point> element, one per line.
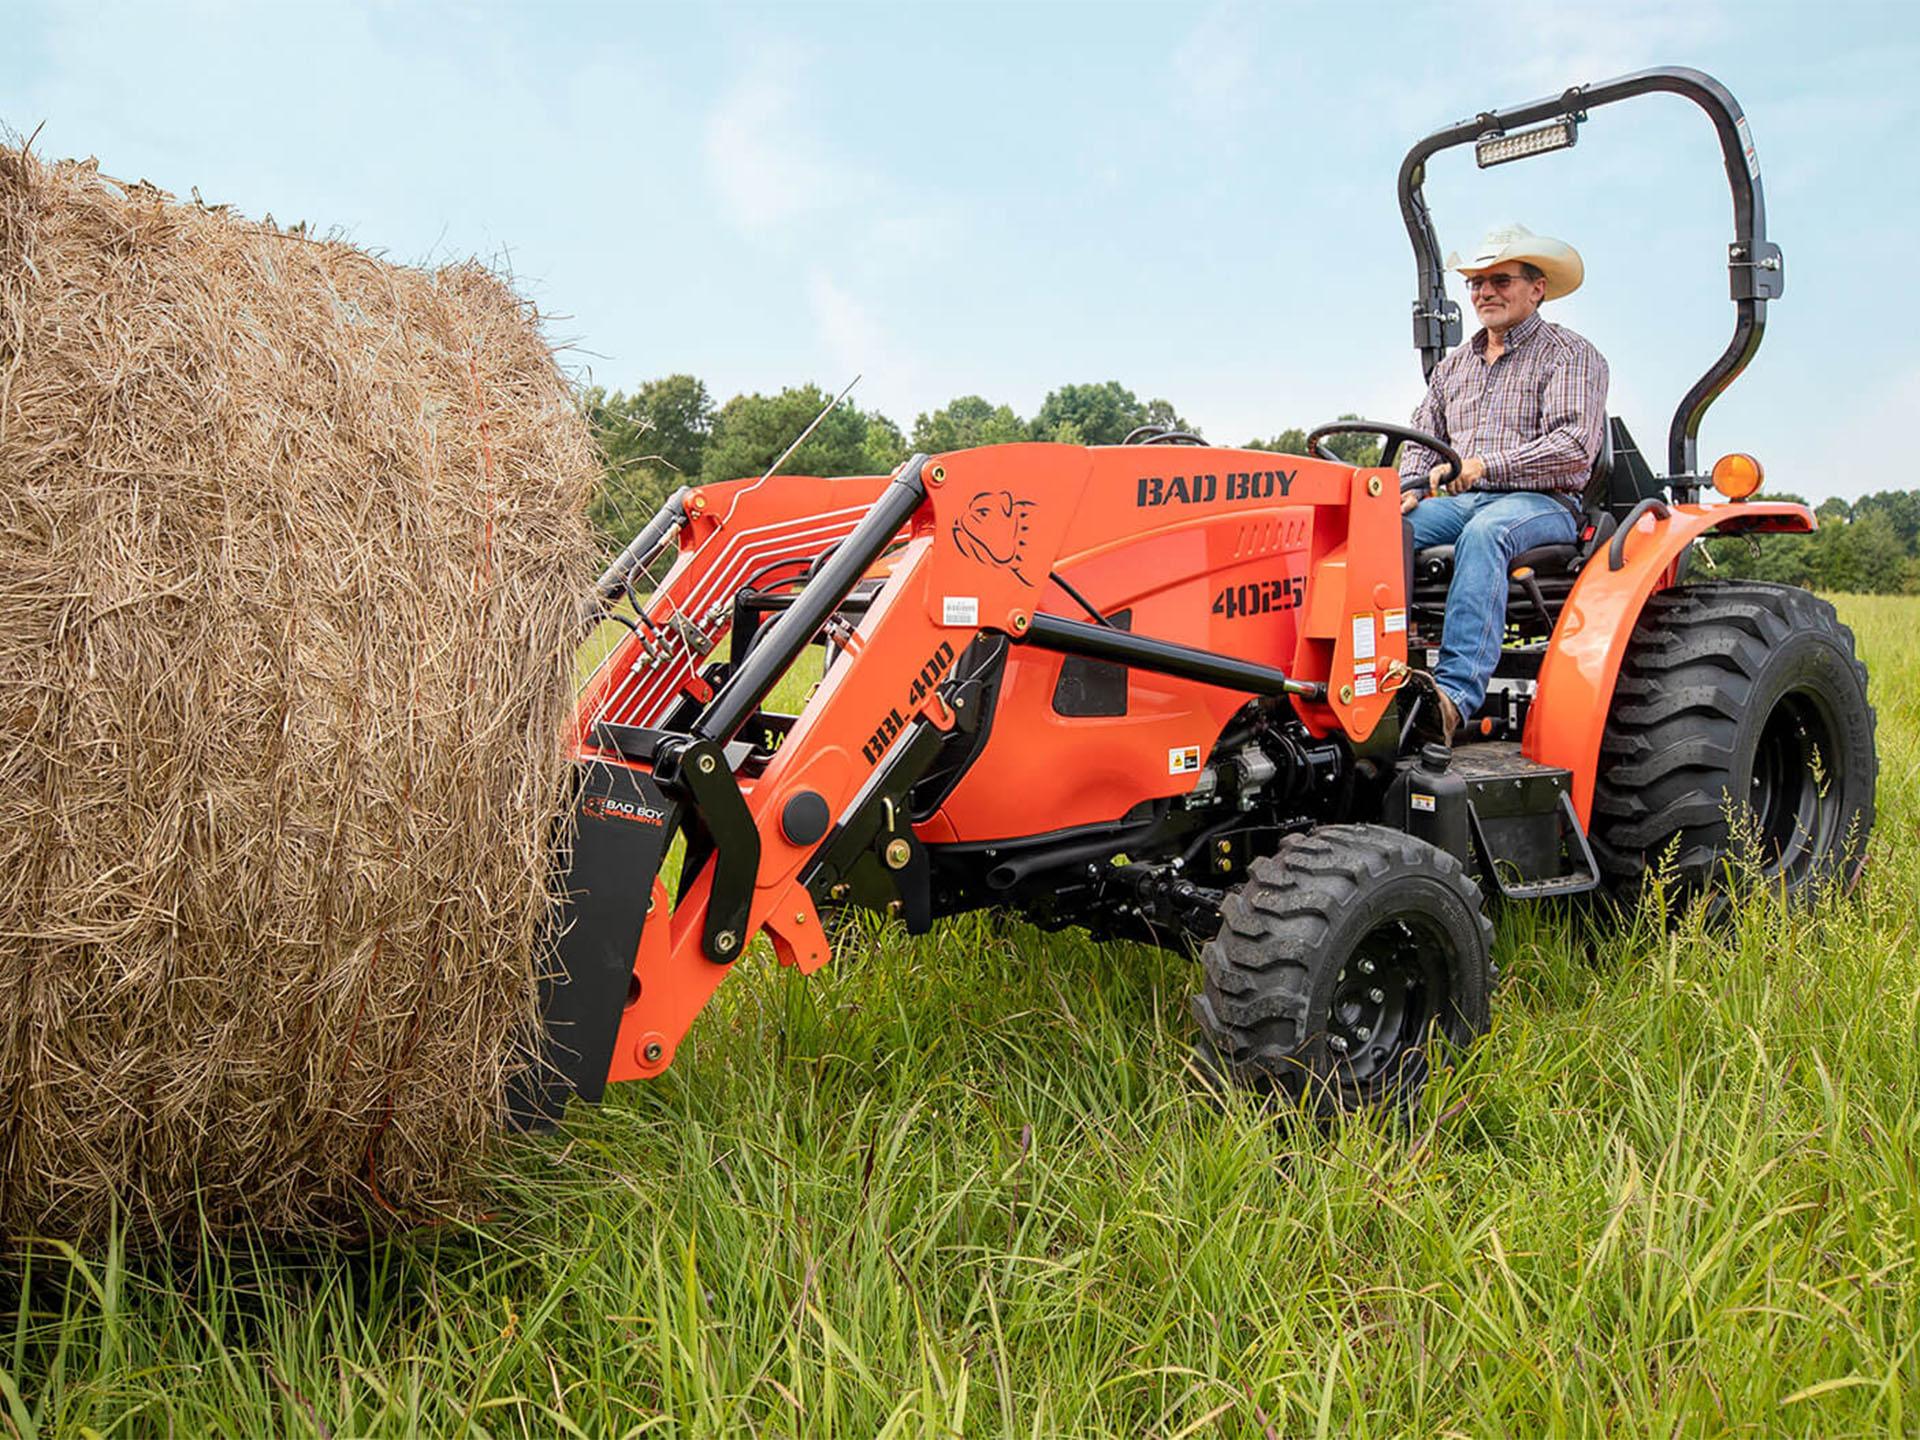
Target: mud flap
<point>623,825</point>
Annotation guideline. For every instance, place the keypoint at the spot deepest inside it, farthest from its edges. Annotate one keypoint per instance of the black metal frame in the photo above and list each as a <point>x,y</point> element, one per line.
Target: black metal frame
<point>1754,263</point>
<point>623,824</point>
<point>1163,657</point>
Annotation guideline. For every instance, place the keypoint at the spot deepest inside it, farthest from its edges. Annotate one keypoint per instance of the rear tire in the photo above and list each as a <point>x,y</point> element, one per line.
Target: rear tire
<point>1339,962</point>
<point>1727,694</point>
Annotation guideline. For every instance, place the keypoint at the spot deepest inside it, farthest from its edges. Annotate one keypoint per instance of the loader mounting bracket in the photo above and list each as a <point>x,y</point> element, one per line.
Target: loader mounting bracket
<point>872,857</point>
<point>698,770</point>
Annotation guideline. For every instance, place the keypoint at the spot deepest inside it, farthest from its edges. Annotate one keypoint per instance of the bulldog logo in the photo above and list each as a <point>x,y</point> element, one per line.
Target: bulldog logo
<point>993,530</point>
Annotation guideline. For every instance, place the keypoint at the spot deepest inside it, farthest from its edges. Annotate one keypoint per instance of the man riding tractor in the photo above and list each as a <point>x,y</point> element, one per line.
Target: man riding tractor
<point>1524,401</point>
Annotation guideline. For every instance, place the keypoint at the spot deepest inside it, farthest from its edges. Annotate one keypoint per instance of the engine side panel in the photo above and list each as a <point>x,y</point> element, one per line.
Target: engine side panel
<point>1211,548</point>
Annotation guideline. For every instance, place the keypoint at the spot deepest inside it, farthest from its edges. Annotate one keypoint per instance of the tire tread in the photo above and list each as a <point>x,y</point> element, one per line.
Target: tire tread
<point>1696,657</point>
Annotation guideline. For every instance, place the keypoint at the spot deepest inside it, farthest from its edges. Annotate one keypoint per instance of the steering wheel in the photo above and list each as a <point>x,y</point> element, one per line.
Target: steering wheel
<point>1395,436</point>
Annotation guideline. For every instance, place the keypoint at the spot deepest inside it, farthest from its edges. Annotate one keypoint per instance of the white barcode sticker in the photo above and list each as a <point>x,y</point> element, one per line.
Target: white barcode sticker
<point>960,610</point>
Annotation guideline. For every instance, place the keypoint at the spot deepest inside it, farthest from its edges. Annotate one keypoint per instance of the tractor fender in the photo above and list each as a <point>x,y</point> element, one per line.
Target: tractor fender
<point>1575,691</point>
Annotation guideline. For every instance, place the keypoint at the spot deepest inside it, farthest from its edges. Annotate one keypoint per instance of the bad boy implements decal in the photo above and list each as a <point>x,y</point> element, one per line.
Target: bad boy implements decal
<point>610,807</point>
<point>993,530</point>
<point>1195,489</point>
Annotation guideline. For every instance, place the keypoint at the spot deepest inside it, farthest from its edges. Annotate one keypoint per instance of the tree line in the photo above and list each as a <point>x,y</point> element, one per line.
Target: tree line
<point>669,433</point>
<point>1868,546</point>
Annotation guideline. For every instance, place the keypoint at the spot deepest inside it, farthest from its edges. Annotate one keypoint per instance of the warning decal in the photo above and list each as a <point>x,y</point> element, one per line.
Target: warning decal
<point>1183,760</point>
<point>1746,145</point>
<point>1364,684</point>
<point>960,610</point>
<point>1393,622</point>
<point>1363,637</point>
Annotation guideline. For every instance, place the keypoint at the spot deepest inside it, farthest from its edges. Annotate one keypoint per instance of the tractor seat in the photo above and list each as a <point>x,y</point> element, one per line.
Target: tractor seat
<point>1433,566</point>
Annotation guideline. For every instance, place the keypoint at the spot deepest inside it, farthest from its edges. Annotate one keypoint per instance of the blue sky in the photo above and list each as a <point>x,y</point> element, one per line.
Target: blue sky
<point>1196,200</point>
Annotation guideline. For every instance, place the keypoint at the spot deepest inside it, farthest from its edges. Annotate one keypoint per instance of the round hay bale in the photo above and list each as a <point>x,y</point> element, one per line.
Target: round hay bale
<point>291,542</point>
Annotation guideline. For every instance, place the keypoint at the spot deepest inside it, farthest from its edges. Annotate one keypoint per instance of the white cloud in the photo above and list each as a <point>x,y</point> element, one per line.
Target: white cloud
<point>768,169</point>
<point>1214,66</point>
<point>770,163</point>
<point>854,342</point>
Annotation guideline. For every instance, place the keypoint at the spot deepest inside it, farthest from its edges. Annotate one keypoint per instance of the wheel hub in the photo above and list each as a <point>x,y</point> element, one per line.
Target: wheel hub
<point>1383,1000</point>
<point>1796,794</point>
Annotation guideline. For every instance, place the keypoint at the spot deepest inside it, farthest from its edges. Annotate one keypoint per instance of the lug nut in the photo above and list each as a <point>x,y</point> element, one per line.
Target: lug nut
<point>1363,1033</point>
<point>1337,1044</point>
<point>1365,967</point>
<point>1377,995</point>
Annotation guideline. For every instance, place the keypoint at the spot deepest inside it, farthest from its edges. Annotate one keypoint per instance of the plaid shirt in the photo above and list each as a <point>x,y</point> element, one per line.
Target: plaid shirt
<point>1534,415</point>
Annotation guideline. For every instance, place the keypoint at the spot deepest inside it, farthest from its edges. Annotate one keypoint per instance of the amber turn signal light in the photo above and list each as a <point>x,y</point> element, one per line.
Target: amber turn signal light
<point>1737,476</point>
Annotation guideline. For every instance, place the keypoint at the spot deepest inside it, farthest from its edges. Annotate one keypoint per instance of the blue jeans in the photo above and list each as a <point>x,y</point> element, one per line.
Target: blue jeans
<point>1486,529</point>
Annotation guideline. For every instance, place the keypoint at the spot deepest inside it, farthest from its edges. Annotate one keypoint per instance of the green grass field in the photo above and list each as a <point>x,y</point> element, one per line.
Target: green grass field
<point>964,1185</point>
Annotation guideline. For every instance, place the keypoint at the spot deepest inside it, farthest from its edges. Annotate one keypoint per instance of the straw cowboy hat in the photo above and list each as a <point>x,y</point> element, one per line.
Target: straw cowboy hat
<point>1557,260</point>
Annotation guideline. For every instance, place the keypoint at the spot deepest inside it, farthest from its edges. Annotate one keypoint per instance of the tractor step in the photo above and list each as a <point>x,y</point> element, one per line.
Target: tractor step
<point>1526,834</point>
<point>1502,781</point>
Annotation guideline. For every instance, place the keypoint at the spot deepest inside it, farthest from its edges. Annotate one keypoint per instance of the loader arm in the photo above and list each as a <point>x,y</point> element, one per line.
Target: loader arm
<point>780,814</point>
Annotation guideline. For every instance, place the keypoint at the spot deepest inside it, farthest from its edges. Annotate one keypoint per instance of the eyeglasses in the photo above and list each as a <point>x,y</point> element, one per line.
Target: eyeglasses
<point>1477,283</point>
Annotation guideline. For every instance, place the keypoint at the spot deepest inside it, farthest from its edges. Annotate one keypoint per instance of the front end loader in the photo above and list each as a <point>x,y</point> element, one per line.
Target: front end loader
<point>1169,692</point>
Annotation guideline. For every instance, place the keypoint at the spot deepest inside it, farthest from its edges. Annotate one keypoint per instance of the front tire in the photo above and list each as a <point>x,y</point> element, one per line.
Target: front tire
<point>1339,962</point>
<point>1745,701</point>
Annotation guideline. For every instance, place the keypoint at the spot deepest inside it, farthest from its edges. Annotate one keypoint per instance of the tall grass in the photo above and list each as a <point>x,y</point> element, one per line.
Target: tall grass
<point>965,1185</point>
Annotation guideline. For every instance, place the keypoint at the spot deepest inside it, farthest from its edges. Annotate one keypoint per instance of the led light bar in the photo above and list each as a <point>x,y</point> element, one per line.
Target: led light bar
<point>1500,149</point>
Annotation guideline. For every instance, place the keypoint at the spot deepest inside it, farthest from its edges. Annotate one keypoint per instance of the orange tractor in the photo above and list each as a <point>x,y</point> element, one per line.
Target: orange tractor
<point>1166,691</point>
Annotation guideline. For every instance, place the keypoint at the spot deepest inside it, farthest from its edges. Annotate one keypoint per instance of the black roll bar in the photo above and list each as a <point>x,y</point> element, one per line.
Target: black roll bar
<point>1753,263</point>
